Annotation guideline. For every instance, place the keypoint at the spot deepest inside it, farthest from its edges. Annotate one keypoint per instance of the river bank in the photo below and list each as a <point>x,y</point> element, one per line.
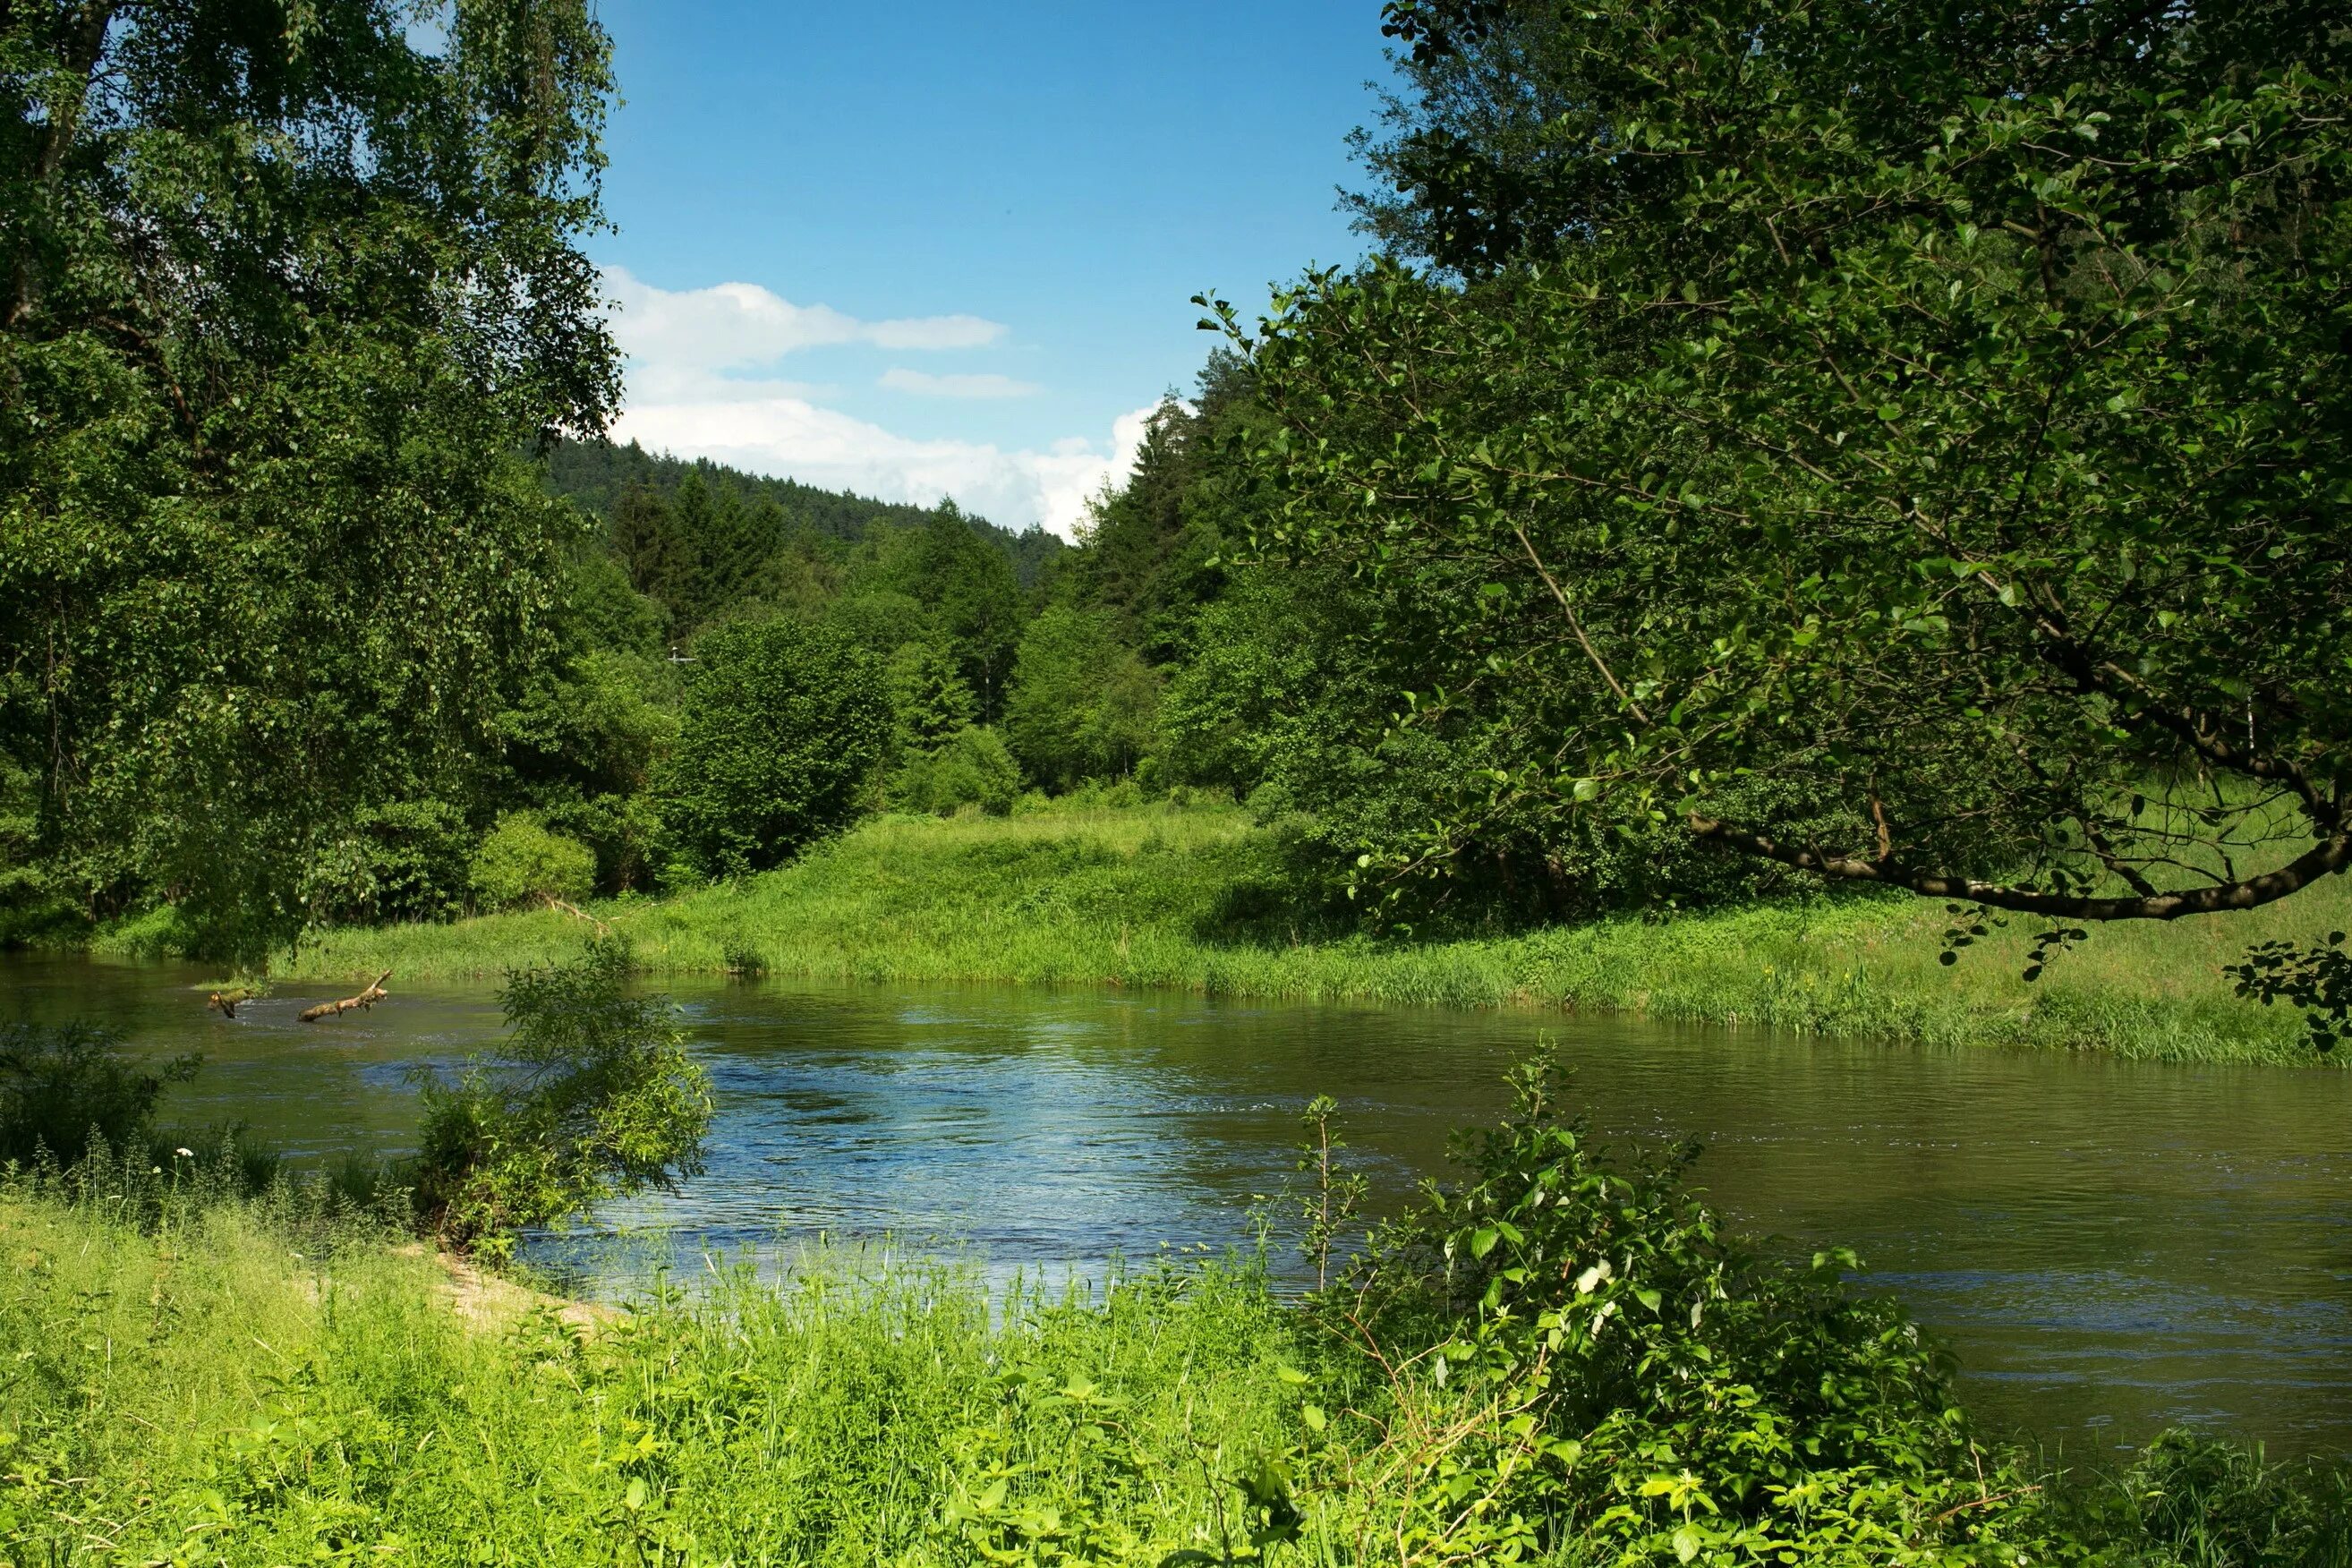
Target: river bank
<point>262,1380</point>
<point>1187,899</point>
<point>1193,900</point>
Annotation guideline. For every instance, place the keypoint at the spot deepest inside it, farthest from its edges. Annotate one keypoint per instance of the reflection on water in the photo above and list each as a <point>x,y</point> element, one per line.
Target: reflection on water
<point>2109,1245</point>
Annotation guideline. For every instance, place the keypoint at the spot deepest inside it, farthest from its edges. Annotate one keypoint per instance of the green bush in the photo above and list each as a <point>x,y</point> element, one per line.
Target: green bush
<point>62,1086</point>
<point>973,768</point>
<point>591,1097</point>
<point>521,861</point>
<point>783,728</point>
<point>1621,1378</point>
<point>400,860</point>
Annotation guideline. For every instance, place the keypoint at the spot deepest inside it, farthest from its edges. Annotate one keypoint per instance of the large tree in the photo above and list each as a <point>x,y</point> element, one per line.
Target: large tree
<point>1907,443</point>
<point>286,292</point>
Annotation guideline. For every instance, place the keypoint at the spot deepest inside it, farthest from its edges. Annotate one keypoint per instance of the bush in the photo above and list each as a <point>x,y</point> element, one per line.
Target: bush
<point>785,725</point>
<point>61,1086</point>
<point>401,860</point>
<point>521,861</point>
<point>1616,1373</point>
<point>591,1097</point>
<point>975,768</point>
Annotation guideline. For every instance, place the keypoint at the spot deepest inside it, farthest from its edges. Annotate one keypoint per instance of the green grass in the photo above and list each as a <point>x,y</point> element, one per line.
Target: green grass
<point>255,1382</point>
<point>1194,900</point>
<point>205,1392</point>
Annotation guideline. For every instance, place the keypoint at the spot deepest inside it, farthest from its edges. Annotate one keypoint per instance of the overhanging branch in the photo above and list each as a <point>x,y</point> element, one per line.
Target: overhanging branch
<point>2330,854</point>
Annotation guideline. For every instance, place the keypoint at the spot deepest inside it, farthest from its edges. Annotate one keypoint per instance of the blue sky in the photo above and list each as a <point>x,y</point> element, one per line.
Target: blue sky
<point>919,249</point>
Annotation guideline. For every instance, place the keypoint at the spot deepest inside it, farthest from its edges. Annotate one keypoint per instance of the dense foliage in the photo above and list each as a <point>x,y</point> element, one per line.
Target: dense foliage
<point>288,289</point>
<point>66,1087</point>
<point>1627,1383</point>
<point>1901,445</point>
<point>783,726</point>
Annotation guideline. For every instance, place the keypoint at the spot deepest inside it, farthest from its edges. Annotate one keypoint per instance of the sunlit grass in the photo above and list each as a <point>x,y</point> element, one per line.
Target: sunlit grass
<point>1157,898</point>
<point>207,1392</point>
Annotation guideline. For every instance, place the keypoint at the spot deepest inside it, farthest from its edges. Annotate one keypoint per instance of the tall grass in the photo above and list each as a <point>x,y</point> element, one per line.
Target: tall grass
<point>254,1381</point>
<point>1198,900</point>
<point>204,1391</point>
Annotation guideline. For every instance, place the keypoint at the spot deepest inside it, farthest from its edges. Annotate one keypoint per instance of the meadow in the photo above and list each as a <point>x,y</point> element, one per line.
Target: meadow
<point>1198,898</point>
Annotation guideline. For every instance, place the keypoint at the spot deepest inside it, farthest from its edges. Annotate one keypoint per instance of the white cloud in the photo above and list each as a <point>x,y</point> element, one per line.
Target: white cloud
<point>794,437</point>
<point>923,384</point>
<point>701,383</point>
<point>677,339</point>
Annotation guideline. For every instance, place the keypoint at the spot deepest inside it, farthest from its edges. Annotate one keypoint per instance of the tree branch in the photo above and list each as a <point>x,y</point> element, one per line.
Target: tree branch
<point>2330,854</point>
<point>1577,626</point>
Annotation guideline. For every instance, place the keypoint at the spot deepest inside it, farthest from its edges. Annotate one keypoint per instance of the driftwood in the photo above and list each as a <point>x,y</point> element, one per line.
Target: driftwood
<point>365,999</point>
<point>224,1002</point>
<point>576,912</point>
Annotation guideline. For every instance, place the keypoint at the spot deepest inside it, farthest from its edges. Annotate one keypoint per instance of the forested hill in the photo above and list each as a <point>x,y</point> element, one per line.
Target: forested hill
<point>596,475</point>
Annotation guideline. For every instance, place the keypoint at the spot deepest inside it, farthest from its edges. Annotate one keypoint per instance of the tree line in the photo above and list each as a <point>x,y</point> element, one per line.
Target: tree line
<point>1772,443</point>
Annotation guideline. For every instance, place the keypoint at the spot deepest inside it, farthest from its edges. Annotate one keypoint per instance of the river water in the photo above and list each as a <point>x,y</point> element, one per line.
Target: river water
<point>2109,1247</point>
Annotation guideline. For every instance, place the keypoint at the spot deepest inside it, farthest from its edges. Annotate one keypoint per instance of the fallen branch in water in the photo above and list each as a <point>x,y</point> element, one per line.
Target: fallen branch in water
<point>225,1002</point>
<point>367,998</point>
<point>576,912</point>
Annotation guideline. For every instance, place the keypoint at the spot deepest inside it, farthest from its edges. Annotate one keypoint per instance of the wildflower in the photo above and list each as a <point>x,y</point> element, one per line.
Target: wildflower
<point>185,1153</point>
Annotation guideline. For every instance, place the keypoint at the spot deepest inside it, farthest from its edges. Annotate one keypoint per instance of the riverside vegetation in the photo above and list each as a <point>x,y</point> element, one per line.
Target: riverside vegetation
<point>1197,897</point>
<point>1553,1359</point>
<point>1776,447</point>
<point>1948,502</point>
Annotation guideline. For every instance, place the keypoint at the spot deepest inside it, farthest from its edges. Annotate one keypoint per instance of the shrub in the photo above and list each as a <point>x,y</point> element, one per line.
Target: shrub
<point>784,724</point>
<point>61,1085</point>
<point>591,1097</point>
<point>1582,1344</point>
<point>521,861</point>
<point>973,768</point>
<point>401,860</point>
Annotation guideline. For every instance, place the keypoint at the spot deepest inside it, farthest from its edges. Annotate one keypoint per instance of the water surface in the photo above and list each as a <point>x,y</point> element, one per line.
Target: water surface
<point>2109,1245</point>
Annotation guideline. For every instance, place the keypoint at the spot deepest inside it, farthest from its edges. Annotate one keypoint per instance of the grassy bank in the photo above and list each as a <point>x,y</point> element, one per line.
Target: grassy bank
<point>1196,899</point>
<point>259,1382</point>
<point>206,1393</point>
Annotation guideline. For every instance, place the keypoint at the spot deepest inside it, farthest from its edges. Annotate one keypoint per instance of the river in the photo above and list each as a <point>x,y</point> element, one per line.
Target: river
<point>2109,1247</point>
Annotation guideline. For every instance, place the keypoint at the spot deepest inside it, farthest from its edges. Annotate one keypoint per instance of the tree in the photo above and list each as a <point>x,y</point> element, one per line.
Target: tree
<point>928,695</point>
<point>645,539</point>
<point>968,585</point>
<point>1082,706</point>
<point>1918,457</point>
<point>783,726</point>
<point>286,292</point>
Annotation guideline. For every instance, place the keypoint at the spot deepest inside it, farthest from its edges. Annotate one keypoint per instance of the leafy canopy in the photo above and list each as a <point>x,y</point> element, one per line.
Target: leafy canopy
<point>286,292</point>
<point>1906,445</point>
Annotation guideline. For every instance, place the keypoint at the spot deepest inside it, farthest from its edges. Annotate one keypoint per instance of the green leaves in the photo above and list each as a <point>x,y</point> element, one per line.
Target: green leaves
<point>1895,479</point>
<point>1686,1395</point>
<point>286,308</point>
<point>592,1096</point>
